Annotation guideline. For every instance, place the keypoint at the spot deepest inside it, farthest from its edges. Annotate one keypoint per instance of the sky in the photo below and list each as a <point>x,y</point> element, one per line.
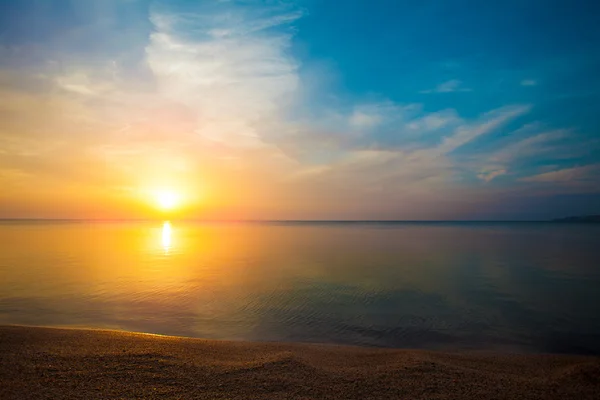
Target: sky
<point>307,109</point>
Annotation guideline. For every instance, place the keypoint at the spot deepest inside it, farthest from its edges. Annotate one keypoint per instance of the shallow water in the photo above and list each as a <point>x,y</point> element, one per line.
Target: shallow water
<point>531,287</point>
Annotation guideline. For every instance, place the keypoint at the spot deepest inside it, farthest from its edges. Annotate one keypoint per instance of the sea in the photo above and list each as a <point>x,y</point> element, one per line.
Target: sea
<point>526,287</point>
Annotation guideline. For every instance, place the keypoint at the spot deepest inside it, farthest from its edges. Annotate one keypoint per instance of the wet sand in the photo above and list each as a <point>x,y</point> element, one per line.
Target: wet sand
<point>47,363</point>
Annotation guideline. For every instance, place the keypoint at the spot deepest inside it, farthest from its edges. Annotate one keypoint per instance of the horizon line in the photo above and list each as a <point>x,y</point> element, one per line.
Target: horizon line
<point>280,220</point>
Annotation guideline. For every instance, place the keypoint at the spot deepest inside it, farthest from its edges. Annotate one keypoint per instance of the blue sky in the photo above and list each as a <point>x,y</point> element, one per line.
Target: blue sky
<point>312,109</point>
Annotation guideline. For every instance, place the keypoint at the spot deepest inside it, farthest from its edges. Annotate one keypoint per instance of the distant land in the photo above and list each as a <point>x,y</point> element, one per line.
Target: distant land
<point>582,218</point>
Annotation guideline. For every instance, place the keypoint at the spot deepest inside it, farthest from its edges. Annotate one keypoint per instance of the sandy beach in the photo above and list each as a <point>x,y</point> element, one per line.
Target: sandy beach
<point>48,363</point>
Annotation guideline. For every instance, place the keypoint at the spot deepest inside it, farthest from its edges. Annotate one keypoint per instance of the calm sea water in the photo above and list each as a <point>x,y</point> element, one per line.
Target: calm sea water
<point>515,287</point>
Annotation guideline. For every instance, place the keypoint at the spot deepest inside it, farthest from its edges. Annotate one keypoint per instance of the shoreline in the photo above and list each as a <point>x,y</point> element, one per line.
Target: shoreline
<point>57,363</point>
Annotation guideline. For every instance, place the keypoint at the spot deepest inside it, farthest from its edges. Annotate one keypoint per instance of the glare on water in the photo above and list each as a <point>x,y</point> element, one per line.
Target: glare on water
<point>167,235</point>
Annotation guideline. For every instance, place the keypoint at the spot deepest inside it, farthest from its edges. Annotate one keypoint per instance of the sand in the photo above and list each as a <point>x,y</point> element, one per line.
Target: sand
<point>47,363</point>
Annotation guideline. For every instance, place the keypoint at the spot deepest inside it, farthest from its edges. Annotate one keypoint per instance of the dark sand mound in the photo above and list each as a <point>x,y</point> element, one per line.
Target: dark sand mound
<point>44,363</point>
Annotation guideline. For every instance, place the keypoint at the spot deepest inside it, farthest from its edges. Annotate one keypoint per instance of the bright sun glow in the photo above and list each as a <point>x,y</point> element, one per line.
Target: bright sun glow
<point>167,200</point>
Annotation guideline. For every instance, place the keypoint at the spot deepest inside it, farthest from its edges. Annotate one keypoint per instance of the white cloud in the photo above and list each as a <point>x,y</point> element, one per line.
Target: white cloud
<point>404,170</point>
<point>531,146</point>
<point>538,147</point>
<point>235,78</point>
<point>489,121</point>
<point>366,117</point>
<point>363,120</point>
<point>79,81</point>
<point>434,121</point>
<point>450,86</point>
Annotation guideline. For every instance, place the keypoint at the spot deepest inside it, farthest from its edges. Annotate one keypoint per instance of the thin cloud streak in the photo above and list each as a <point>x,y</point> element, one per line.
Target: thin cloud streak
<point>451,86</point>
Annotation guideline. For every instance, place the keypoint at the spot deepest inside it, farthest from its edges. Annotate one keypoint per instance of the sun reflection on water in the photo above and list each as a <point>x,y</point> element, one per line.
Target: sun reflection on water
<point>166,236</point>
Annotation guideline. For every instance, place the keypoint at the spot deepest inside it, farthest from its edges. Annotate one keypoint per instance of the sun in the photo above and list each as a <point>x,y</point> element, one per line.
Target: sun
<point>167,199</point>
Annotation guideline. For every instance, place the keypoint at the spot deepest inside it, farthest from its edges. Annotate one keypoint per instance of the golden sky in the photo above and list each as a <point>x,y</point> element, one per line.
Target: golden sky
<point>108,105</point>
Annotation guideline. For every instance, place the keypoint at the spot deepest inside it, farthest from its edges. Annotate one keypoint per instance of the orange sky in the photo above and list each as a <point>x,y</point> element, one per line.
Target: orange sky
<point>103,105</point>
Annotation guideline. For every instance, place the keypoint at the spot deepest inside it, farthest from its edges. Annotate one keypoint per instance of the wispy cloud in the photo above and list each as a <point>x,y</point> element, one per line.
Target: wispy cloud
<point>529,82</point>
<point>419,168</point>
<point>573,176</point>
<point>365,119</point>
<point>488,174</point>
<point>451,86</point>
<point>529,149</point>
<point>232,74</point>
<point>490,121</point>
